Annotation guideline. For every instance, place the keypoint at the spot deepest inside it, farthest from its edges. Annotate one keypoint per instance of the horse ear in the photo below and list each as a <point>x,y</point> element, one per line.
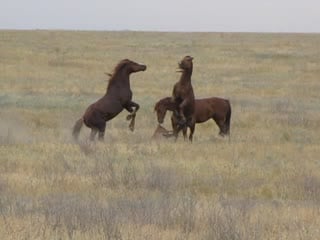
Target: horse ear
<point>108,74</point>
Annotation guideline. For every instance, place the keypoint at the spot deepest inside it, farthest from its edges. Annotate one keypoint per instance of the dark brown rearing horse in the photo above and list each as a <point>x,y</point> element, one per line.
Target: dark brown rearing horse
<point>118,97</point>
<point>218,109</point>
<point>183,96</point>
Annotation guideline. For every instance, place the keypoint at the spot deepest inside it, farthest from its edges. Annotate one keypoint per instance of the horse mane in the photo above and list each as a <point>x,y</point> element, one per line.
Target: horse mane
<point>157,106</point>
<point>117,69</point>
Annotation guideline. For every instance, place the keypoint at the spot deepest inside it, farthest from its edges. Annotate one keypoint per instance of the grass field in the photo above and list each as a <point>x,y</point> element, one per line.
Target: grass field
<point>262,183</point>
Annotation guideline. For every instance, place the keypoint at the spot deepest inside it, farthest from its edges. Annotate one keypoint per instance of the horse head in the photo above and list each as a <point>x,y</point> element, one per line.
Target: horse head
<point>186,63</point>
<point>128,66</point>
<point>161,111</point>
<point>162,106</point>
<point>133,67</point>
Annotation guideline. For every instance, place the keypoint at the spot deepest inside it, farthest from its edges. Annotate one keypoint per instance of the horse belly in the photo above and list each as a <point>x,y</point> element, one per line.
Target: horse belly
<point>97,114</point>
<point>92,118</point>
<point>202,114</point>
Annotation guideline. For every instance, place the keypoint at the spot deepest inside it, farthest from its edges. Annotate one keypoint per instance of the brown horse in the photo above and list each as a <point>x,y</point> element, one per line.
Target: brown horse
<point>183,96</point>
<point>118,97</point>
<point>218,109</point>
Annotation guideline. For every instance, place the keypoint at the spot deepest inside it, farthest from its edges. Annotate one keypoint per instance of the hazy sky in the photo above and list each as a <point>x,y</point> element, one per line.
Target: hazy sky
<point>163,15</point>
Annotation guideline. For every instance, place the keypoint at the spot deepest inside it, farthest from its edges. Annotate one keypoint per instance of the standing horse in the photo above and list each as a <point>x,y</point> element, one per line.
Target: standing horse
<point>118,97</point>
<point>218,109</point>
<point>183,96</point>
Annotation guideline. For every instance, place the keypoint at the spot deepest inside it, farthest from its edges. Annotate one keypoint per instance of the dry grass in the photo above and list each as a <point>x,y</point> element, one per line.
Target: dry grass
<point>262,183</point>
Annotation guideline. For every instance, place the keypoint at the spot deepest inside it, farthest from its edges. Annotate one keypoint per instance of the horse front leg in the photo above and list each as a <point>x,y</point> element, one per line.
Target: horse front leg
<point>132,114</point>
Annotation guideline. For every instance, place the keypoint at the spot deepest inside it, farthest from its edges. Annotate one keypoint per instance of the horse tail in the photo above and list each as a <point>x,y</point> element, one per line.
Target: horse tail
<point>228,118</point>
<point>76,128</point>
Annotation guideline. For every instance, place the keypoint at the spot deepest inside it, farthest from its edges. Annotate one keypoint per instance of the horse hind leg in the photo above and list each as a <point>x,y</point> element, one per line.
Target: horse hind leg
<point>224,129</point>
<point>177,129</point>
<point>176,133</point>
<point>93,133</point>
<point>101,136</point>
<point>192,127</point>
<point>102,131</point>
<point>184,132</point>
<point>221,125</point>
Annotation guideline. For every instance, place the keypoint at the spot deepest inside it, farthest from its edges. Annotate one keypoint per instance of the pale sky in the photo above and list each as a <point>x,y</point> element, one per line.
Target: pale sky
<point>163,15</point>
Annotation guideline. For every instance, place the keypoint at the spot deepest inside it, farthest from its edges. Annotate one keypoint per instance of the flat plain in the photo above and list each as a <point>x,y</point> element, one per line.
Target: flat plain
<point>261,183</point>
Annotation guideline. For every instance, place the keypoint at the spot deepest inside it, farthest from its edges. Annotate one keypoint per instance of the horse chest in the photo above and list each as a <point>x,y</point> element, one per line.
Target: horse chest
<point>182,91</point>
<point>125,96</point>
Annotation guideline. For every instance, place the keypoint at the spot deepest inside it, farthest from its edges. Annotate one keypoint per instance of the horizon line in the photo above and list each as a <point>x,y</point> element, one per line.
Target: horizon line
<point>155,31</point>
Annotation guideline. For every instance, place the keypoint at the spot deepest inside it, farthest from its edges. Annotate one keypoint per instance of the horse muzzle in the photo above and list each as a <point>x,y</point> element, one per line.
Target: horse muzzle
<point>143,67</point>
<point>160,120</point>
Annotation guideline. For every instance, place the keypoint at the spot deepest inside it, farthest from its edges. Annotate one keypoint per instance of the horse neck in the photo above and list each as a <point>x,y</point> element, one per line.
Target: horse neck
<point>119,80</point>
<point>170,105</point>
<point>186,76</point>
